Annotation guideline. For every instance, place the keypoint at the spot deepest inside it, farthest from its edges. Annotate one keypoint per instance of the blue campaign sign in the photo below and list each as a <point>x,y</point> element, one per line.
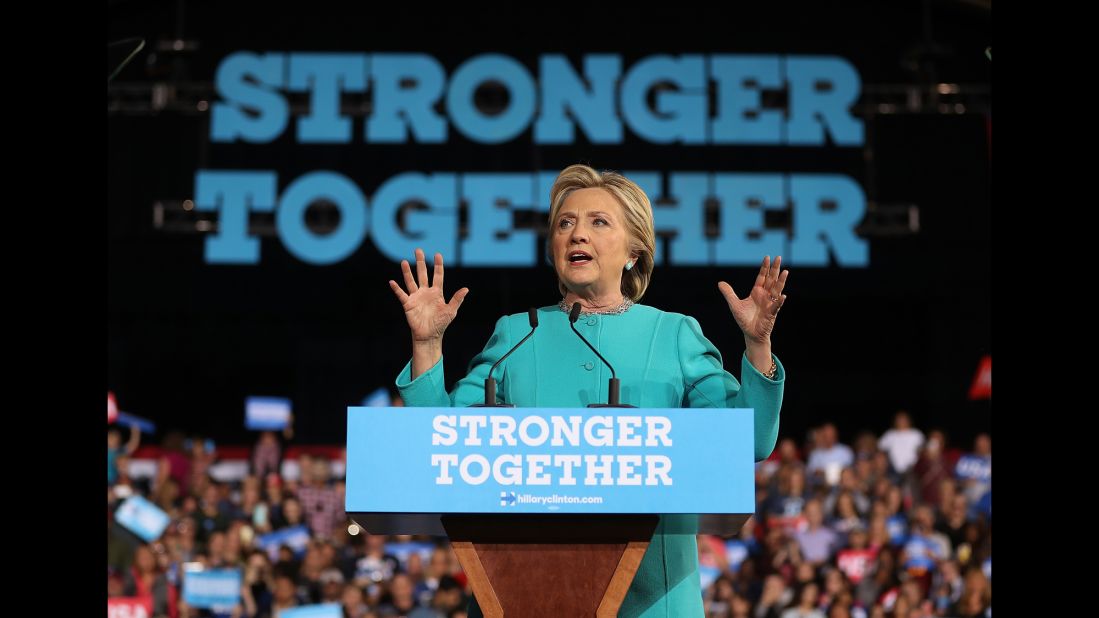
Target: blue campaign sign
<point>266,413</point>
<point>144,425</point>
<point>142,517</point>
<point>324,610</point>
<point>297,538</point>
<point>218,588</point>
<point>546,460</point>
<point>974,467</point>
<point>736,551</point>
<point>379,398</point>
<point>707,575</point>
<point>403,551</point>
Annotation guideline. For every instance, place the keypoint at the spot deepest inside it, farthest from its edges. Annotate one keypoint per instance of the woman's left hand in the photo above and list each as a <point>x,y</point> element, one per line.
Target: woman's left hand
<point>756,314</point>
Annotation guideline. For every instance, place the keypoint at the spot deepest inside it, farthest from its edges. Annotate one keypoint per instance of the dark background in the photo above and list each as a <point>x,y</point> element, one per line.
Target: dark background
<point>188,341</point>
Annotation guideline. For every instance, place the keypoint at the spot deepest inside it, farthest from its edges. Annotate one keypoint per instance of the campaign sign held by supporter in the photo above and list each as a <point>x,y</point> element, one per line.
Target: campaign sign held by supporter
<point>297,538</point>
<point>266,413</point>
<point>130,607</point>
<point>142,517</point>
<point>216,588</point>
<point>324,610</point>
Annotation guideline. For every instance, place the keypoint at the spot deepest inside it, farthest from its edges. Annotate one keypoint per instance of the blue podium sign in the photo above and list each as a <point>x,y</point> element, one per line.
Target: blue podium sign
<point>549,460</point>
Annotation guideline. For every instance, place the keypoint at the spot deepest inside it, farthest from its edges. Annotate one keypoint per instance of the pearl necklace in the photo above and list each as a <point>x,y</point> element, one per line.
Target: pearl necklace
<point>619,310</point>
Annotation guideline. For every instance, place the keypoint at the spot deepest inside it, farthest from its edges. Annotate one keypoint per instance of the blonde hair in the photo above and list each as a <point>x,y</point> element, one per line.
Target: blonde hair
<point>638,220</point>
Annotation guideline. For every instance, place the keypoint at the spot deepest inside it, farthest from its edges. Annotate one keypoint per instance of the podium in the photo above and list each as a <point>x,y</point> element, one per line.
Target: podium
<point>550,510</point>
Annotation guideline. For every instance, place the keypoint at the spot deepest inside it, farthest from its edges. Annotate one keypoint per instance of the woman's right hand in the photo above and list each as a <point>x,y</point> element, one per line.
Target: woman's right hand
<point>426,310</point>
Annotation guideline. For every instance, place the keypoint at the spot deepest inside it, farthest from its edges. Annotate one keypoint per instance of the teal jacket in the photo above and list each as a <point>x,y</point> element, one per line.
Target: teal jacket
<point>663,361</point>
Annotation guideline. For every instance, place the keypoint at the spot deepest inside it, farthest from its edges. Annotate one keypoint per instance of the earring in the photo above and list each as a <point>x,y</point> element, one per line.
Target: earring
<point>629,265</point>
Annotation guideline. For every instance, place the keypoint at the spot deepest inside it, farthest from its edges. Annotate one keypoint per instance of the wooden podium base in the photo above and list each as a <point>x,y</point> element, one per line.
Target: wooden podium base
<point>559,565</point>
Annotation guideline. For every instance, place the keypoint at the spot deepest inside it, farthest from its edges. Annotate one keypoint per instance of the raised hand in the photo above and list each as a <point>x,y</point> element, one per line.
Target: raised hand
<point>427,311</point>
<point>756,314</point>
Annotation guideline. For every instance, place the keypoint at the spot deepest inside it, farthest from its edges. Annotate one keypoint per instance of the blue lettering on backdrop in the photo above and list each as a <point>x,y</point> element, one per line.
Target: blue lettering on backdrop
<point>232,195</point>
<point>398,107</point>
<point>822,89</point>
<point>663,99</point>
<point>743,198</point>
<point>324,76</point>
<point>685,217</point>
<point>431,220</point>
<point>406,87</point>
<point>740,82</point>
<point>491,198</point>
<point>680,115</point>
<point>332,247</point>
<point>592,107</point>
<point>228,121</point>
<point>501,127</point>
<point>826,208</point>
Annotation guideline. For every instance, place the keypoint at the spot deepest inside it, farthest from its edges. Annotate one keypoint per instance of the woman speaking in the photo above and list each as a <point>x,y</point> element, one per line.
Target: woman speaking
<point>601,243</point>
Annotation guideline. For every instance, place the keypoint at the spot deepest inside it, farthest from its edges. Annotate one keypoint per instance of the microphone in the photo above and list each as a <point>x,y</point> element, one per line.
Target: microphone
<point>490,382</point>
<point>612,386</point>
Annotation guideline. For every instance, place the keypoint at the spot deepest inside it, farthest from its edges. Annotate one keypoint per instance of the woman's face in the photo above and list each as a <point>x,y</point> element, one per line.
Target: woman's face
<point>797,482</point>
<point>145,560</point>
<point>257,562</point>
<point>809,595</point>
<point>291,510</point>
<point>284,589</point>
<point>590,244</point>
<point>845,506</point>
<point>833,583</point>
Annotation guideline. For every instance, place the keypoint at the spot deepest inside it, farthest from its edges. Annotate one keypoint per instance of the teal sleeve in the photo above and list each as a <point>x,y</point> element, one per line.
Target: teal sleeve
<point>708,385</point>
<point>429,388</point>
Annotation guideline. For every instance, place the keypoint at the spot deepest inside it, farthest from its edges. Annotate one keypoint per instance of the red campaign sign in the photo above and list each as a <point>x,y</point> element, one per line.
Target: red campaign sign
<point>982,382</point>
<point>855,563</point>
<point>792,523</point>
<point>130,607</point>
<point>112,408</point>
